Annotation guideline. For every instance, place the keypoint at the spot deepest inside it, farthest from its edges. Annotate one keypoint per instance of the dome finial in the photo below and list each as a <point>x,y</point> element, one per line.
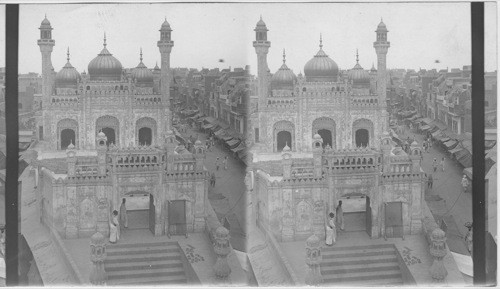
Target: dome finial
<point>67,55</point>
<point>357,56</point>
<point>320,40</point>
<point>141,54</point>
<point>284,56</point>
<point>260,16</point>
<point>104,39</point>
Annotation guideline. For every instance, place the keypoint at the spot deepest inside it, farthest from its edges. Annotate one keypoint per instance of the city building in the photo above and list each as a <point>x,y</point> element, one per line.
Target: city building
<point>105,135</point>
<point>321,138</point>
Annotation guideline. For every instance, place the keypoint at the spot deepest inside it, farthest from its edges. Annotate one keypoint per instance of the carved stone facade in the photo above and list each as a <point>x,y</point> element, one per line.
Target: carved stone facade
<point>323,138</point>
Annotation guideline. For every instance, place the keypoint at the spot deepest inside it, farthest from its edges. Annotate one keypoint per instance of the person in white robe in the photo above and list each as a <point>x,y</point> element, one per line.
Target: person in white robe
<point>331,230</point>
<point>114,228</point>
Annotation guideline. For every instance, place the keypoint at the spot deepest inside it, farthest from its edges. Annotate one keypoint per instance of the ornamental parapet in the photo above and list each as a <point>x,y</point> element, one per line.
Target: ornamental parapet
<point>147,100</point>
<point>64,100</point>
<point>400,177</point>
<point>364,101</point>
<point>87,179</point>
<point>136,158</point>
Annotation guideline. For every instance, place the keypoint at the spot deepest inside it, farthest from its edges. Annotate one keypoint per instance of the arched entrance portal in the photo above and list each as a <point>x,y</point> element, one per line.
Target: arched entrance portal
<point>110,134</point>
<point>283,134</point>
<point>145,136</point>
<point>362,137</point>
<point>68,137</point>
<point>326,128</point>
<point>110,127</point>
<point>326,135</point>
<point>140,210</point>
<point>284,138</point>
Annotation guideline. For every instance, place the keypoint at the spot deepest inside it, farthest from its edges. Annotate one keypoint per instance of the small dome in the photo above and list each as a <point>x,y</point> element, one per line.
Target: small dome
<point>261,23</point>
<point>316,136</point>
<point>165,25</point>
<point>68,76</point>
<point>142,74</point>
<point>358,75</point>
<point>286,148</point>
<point>321,68</point>
<point>156,67</point>
<point>101,134</point>
<point>373,69</point>
<point>284,78</point>
<point>71,146</point>
<point>105,66</point>
<point>45,23</point>
<point>198,142</point>
<point>381,27</point>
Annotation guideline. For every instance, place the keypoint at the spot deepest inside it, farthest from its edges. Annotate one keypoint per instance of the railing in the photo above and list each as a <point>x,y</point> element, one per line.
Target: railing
<point>136,158</point>
<point>65,100</point>
<point>145,100</point>
<point>86,170</point>
<point>364,101</point>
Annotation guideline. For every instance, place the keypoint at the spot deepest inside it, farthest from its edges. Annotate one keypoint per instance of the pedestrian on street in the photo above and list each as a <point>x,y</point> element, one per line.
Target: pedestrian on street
<point>217,164</point>
<point>212,180</point>
<point>430,182</point>
<point>340,216</point>
<point>465,183</point>
<point>435,164</point>
<point>442,164</point>
<point>123,214</point>
<point>224,162</point>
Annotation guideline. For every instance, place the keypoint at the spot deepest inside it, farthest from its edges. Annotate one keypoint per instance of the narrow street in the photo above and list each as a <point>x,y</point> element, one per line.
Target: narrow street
<point>228,196</point>
<point>446,199</point>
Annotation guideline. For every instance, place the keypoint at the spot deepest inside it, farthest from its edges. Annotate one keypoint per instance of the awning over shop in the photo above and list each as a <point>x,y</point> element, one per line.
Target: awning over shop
<point>226,137</point>
<point>233,142</point>
<point>427,120</point>
<point>208,126</point>
<point>436,133</point>
<point>450,144</point>
<point>444,139</point>
<point>460,153</point>
<point>219,133</point>
<point>488,144</point>
<point>240,147</point>
<point>201,119</point>
<point>417,120</point>
<point>425,127</point>
<point>210,119</point>
<point>455,150</point>
<point>466,160</point>
<point>440,125</point>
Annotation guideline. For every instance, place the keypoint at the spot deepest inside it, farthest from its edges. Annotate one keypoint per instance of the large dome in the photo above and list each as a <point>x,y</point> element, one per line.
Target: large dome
<point>284,78</point>
<point>321,68</point>
<point>142,74</point>
<point>105,66</point>
<point>67,77</point>
<point>358,75</point>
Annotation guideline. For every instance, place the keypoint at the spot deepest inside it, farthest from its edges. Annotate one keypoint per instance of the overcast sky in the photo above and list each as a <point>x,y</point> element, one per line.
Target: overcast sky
<point>420,33</point>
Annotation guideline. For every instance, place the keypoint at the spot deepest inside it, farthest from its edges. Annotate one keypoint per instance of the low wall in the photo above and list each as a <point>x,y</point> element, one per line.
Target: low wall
<point>66,257</point>
<point>406,275</point>
<point>191,275</point>
<point>238,276</point>
<point>275,248</point>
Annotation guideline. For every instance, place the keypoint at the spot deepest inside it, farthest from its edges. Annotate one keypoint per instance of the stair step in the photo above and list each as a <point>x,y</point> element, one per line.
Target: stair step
<point>143,257</point>
<point>355,276</point>
<point>358,268</point>
<point>354,254</point>
<point>141,265</point>
<point>135,245</point>
<point>370,283</point>
<point>127,274</point>
<point>349,248</point>
<point>178,279</point>
<point>380,260</point>
<point>142,251</point>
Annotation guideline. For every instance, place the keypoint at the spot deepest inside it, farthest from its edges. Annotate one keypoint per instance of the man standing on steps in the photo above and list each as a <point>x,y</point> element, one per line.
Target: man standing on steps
<point>340,216</point>
<point>123,215</point>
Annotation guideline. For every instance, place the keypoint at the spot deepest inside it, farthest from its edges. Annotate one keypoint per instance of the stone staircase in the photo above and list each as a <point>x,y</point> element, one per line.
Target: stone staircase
<point>144,264</point>
<point>370,265</point>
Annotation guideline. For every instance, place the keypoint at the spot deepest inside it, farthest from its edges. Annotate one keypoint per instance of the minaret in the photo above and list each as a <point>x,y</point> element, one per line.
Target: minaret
<point>262,48</point>
<point>381,46</point>
<point>46,44</point>
<point>165,44</point>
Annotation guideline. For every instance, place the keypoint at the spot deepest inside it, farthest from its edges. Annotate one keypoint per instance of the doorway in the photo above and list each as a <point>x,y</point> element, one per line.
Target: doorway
<point>110,134</point>
<point>139,210</point>
<point>145,136</point>
<point>355,213</point>
<point>362,137</point>
<point>326,135</point>
<point>67,137</point>
<point>284,139</point>
<point>177,223</point>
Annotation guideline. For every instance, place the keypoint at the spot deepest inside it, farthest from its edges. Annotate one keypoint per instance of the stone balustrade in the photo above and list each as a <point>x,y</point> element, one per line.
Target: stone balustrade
<point>364,101</point>
<point>147,100</point>
<point>81,170</point>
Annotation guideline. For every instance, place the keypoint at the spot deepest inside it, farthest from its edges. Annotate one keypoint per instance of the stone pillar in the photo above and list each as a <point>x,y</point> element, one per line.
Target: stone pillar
<point>313,260</point>
<point>98,275</point>
<point>438,251</point>
<point>222,249</point>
